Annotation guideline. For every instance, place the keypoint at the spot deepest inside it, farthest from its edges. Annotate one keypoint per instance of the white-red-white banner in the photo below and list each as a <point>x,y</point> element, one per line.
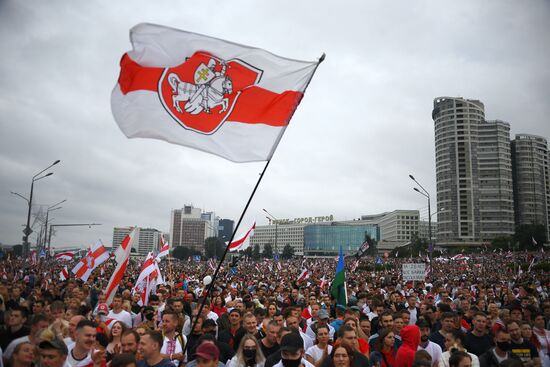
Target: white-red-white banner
<point>242,242</point>
<point>164,248</point>
<point>217,96</point>
<point>96,255</point>
<point>122,256</point>
<point>65,256</point>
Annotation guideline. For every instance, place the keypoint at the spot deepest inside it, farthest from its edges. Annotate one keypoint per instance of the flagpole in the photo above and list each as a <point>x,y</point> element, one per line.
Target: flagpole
<point>171,279</point>
<point>321,59</point>
<point>226,249</point>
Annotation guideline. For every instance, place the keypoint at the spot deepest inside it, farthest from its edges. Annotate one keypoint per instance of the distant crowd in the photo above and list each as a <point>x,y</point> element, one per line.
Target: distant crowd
<point>482,311</point>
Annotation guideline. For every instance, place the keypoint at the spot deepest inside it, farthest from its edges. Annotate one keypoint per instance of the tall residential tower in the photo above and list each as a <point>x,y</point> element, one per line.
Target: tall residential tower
<point>530,162</point>
<point>473,173</point>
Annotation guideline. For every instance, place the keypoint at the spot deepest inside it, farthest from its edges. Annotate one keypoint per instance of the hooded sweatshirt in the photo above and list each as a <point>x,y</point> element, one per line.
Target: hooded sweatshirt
<point>411,339</point>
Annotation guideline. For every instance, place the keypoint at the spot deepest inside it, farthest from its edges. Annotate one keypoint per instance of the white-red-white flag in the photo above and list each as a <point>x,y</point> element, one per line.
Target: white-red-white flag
<point>64,273</point>
<point>303,276</point>
<point>147,268</point>
<point>217,96</point>
<point>122,256</point>
<point>323,283</point>
<point>65,256</point>
<point>242,242</point>
<point>164,248</point>
<point>96,255</point>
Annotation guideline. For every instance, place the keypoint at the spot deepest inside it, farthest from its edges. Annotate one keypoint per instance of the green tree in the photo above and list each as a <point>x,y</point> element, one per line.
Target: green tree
<point>525,234</point>
<point>214,247</point>
<point>181,252</point>
<point>256,252</point>
<point>502,242</point>
<point>268,251</point>
<point>288,252</point>
<point>248,252</point>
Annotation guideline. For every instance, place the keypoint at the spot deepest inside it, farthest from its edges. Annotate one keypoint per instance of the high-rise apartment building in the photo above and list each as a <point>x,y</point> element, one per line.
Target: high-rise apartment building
<point>147,239</point>
<point>496,192</point>
<point>473,173</point>
<point>530,162</point>
<point>189,227</point>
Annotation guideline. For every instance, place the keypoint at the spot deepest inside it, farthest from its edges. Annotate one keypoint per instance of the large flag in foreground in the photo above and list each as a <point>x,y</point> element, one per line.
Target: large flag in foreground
<point>217,96</point>
<point>122,256</point>
<point>338,286</point>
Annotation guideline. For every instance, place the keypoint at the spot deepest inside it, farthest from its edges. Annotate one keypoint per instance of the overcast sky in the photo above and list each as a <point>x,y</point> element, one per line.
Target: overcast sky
<point>363,126</point>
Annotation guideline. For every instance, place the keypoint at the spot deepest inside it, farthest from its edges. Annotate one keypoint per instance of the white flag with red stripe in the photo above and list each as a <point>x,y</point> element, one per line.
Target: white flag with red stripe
<point>164,248</point>
<point>303,276</point>
<point>66,256</point>
<point>217,96</point>
<point>323,283</point>
<point>64,273</point>
<point>95,256</point>
<point>147,268</point>
<point>122,256</point>
<point>243,241</point>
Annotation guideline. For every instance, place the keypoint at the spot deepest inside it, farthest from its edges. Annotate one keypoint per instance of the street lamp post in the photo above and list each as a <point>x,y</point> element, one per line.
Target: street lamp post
<point>68,225</point>
<point>28,229</point>
<point>426,194</point>
<point>51,208</point>
<point>272,217</point>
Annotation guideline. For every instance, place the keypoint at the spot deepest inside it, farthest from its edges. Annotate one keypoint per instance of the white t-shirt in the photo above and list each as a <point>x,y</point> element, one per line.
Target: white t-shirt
<point>308,342</point>
<point>122,316</point>
<point>311,333</point>
<point>433,350</point>
<point>78,363</point>
<point>317,353</point>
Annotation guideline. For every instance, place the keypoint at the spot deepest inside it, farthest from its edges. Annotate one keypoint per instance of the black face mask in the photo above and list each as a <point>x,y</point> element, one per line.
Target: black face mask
<point>504,346</point>
<point>249,353</point>
<point>291,362</point>
<point>149,316</point>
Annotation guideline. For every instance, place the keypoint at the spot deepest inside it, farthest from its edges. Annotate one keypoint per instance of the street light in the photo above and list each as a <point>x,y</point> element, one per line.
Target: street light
<point>51,208</point>
<point>89,225</point>
<point>272,217</point>
<point>27,231</point>
<point>426,194</point>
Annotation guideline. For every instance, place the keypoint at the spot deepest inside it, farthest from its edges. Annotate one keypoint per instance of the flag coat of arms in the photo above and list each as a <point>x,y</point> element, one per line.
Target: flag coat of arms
<point>217,96</point>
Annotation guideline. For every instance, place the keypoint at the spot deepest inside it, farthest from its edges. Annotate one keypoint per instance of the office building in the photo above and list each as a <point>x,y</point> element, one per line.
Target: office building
<point>473,173</point>
<point>397,228</point>
<point>189,227</point>
<point>225,229</point>
<point>325,239</point>
<point>146,240</point>
<point>530,162</point>
<point>280,235</point>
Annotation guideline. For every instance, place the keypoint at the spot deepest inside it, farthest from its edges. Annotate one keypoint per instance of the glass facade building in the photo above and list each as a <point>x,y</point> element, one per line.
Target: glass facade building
<point>325,239</point>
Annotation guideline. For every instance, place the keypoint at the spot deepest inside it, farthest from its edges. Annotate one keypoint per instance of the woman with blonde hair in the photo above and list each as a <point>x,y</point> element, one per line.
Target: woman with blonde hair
<point>249,353</point>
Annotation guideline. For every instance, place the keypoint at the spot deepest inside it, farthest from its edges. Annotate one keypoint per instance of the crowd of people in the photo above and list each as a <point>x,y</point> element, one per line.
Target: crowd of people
<point>479,311</point>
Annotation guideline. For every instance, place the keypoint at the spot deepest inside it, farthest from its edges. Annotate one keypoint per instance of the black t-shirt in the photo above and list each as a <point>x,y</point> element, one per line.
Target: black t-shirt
<point>269,351</point>
<point>477,344</point>
<point>526,351</point>
<point>163,363</point>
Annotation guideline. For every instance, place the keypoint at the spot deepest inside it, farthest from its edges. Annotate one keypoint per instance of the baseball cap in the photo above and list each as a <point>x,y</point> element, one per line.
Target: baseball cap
<point>322,314</point>
<point>208,351</point>
<point>291,343</point>
<point>54,344</point>
<point>102,308</point>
